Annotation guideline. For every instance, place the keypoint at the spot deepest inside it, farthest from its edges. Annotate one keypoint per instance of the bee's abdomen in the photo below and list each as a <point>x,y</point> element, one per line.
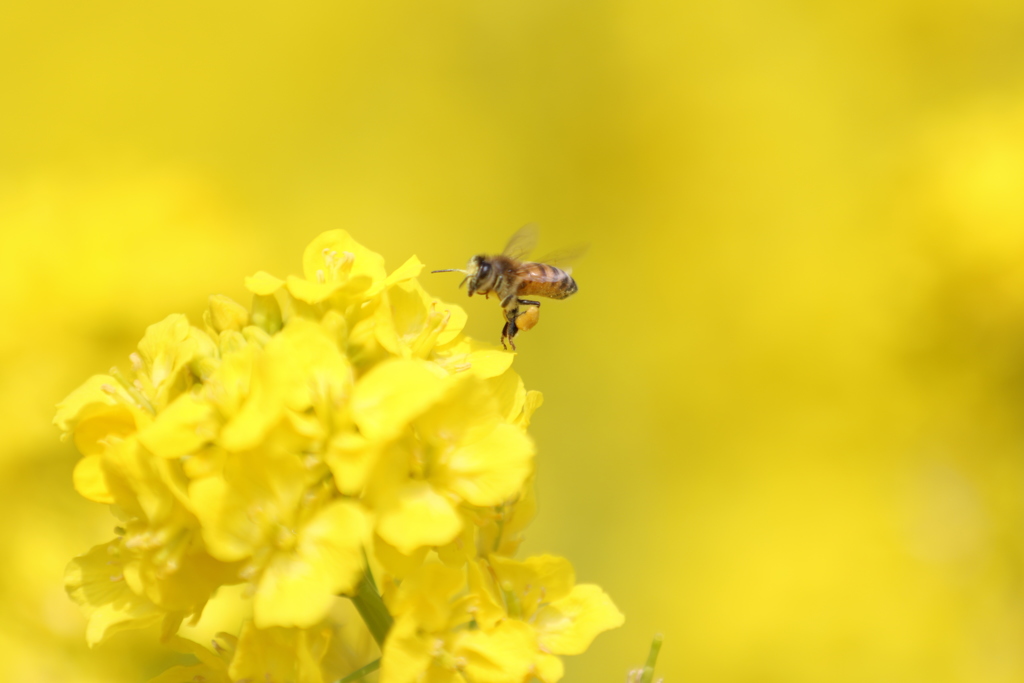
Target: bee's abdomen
<point>540,279</point>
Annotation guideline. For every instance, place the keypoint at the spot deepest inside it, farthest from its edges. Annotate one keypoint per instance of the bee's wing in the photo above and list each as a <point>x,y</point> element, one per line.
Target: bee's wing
<point>564,258</point>
<point>522,242</point>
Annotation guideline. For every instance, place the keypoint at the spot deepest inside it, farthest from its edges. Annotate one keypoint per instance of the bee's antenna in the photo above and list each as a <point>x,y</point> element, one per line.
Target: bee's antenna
<point>454,270</point>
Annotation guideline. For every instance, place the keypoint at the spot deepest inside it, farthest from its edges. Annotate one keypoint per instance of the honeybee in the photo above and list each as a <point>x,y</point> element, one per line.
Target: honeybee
<point>509,277</point>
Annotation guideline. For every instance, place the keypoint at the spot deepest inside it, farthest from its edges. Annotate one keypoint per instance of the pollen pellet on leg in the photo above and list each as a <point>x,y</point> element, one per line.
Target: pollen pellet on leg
<point>528,318</point>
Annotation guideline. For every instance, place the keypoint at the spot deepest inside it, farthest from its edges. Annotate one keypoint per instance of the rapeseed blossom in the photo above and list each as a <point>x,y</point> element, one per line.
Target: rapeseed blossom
<point>341,437</point>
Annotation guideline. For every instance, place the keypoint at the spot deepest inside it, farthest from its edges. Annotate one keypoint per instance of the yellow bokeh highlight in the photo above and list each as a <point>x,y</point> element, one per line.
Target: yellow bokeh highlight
<point>781,418</point>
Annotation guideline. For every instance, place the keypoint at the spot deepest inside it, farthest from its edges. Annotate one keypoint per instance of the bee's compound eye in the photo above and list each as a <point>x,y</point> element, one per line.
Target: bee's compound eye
<point>484,269</point>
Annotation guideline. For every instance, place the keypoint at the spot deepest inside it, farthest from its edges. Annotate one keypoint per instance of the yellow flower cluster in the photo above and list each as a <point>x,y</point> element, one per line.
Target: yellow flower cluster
<point>339,436</point>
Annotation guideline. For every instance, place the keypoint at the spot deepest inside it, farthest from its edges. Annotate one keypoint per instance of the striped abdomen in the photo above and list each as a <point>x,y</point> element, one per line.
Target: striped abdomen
<point>540,279</point>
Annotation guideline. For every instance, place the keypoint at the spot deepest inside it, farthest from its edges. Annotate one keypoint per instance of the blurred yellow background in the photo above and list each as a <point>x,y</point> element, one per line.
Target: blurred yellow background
<point>783,420</point>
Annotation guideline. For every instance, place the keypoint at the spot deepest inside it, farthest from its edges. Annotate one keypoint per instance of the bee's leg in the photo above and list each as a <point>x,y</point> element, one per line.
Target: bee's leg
<point>511,329</point>
<point>527,302</point>
<point>508,332</point>
<point>511,309</point>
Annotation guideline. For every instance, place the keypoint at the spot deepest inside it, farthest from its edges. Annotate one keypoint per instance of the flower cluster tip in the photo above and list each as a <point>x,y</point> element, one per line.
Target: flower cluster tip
<point>341,436</point>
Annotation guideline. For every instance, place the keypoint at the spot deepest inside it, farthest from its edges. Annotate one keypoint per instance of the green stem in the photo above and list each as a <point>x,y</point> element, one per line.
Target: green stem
<point>371,608</point>
<point>501,530</point>
<point>512,603</point>
<point>648,673</point>
<point>363,671</point>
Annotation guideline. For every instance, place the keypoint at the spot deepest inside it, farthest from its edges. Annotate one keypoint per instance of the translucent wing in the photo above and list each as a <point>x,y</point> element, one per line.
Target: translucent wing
<point>564,258</point>
<point>522,241</point>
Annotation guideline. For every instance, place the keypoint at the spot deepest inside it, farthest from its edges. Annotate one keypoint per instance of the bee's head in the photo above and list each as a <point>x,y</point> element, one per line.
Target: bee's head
<point>480,274</point>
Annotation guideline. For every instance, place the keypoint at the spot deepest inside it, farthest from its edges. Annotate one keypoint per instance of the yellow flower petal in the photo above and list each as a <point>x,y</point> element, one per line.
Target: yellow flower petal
<point>535,580</point>
<point>407,654</point>
<point>311,292</point>
<point>227,314</point>
<point>489,607</point>
<point>181,428</point>
<point>96,582</point>
<point>504,539</point>
<point>391,394</point>
<point>534,400</point>
<point>419,516</point>
<point>334,256</point>
<point>182,582</point>
<point>90,480</point>
<point>510,392</point>
<point>407,271</point>
<point>242,509</point>
<point>462,548</point>
<point>426,596</point>
<point>144,487</point>
<point>568,626</point>
<point>98,394</point>
<point>165,350</point>
<point>456,319</point>
<point>350,457</point>
<point>263,283</point>
<point>411,323</point>
<point>305,364</point>
<point>468,412</point>
<point>258,415</point>
<point>300,366</point>
<point>548,668</point>
<point>501,655</point>
<point>196,672</point>
<point>298,587</point>
<point>99,428</point>
<point>96,411</point>
<point>396,563</point>
<point>491,470</point>
<point>277,654</point>
<point>484,360</point>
